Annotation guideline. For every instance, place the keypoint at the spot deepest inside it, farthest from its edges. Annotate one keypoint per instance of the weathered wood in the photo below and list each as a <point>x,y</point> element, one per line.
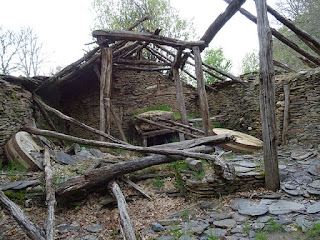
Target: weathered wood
<point>267,99</point>
<point>307,62</point>
<point>116,35</point>
<point>50,195</point>
<point>214,28</point>
<point>136,186</point>
<point>28,83</point>
<point>104,174</point>
<point>32,230</point>
<point>127,67</point>
<point>182,125</point>
<point>179,91</point>
<point>46,116</point>
<point>285,67</point>
<point>301,33</point>
<point>118,123</point>
<point>79,124</point>
<point>203,102</point>
<point>167,127</point>
<point>286,113</point>
<point>122,207</point>
<point>214,118</point>
<point>141,62</point>
<point>105,90</point>
<point>281,38</point>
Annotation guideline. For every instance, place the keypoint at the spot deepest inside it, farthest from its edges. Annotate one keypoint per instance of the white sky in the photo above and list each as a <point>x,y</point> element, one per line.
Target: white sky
<point>64,26</point>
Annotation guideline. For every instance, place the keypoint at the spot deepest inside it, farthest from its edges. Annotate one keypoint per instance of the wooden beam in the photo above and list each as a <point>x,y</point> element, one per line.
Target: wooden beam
<point>220,21</point>
<point>141,62</point>
<point>116,35</point>
<point>179,90</point>
<point>267,99</point>
<point>281,38</point>
<point>286,113</point>
<point>283,66</point>
<point>203,101</point>
<point>301,33</point>
<point>105,90</point>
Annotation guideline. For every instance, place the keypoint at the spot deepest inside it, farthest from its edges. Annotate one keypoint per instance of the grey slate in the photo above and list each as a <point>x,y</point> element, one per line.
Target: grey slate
<point>284,207</point>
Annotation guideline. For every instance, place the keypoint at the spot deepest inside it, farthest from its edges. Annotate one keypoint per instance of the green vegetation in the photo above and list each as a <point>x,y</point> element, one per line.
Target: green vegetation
<point>199,174</point>
<point>176,231</point>
<point>260,236</point>
<point>215,57</point>
<point>158,182</point>
<point>314,232</point>
<point>17,195</point>
<point>272,226</point>
<point>250,63</point>
<point>178,166</point>
<point>213,238</point>
<point>246,227</point>
<point>13,166</point>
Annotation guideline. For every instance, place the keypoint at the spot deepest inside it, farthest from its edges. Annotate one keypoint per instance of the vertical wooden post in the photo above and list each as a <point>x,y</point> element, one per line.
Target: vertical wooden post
<point>105,90</point>
<point>179,92</point>
<point>267,98</point>
<point>286,89</point>
<point>204,108</point>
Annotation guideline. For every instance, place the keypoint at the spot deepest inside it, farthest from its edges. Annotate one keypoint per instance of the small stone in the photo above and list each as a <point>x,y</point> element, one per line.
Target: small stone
<point>168,222</point>
<point>186,237</point>
<point>257,226</point>
<point>284,207</point>
<point>157,227</point>
<point>293,192</point>
<point>252,234</point>
<point>221,216</point>
<point>314,208</point>
<point>215,232</point>
<point>313,191</point>
<point>248,207</point>
<point>242,169</point>
<point>196,227</point>
<point>290,186</point>
<point>315,184</point>
<point>303,222</point>
<point>67,227</point>
<point>246,164</point>
<point>90,237</point>
<point>314,168</point>
<point>226,223</point>
<point>95,228</point>
<point>237,229</point>
<point>239,218</point>
<point>166,238</point>
<point>284,220</point>
<point>264,219</point>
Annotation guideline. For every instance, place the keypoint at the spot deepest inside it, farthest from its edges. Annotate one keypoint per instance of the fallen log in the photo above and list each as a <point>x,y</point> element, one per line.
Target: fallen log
<point>222,168</point>
<point>32,230</point>
<point>125,221</point>
<point>50,195</point>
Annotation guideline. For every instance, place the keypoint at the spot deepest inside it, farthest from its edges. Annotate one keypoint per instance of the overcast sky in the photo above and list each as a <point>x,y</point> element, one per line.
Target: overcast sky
<point>64,26</point>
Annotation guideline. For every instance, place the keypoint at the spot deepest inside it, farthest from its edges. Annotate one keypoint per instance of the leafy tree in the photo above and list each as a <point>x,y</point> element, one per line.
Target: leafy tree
<point>305,14</point>
<point>215,57</point>
<point>120,14</point>
<point>250,63</point>
<point>20,52</point>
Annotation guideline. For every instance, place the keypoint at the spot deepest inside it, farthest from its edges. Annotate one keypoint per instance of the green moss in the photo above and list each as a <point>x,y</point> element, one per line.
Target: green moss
<point>17,195</point>
<point>260,236</point>
<point>158,182</point>
<point>314,232</point>
<point>272,226</point>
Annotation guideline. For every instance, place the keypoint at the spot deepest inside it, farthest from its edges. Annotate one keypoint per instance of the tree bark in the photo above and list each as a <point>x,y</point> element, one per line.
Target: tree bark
<point>281,65</point>
<point>203,101</point>
<point>267,99</point>
<point>122,207</point>
<point>224,17</point>
<point>286,113</point>
<point>32,230</point>
<point>50,195</point>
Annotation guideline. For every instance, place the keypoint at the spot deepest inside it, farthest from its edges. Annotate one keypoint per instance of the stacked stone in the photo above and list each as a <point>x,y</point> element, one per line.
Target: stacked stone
<point>15,111</point>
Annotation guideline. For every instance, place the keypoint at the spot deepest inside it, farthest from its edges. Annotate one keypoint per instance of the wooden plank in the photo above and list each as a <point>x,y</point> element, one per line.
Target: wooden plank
<point>267,99</point>
<point>286,116</point>
<point>220,21</point>
<point>203,102</point>
<point>116,35</point>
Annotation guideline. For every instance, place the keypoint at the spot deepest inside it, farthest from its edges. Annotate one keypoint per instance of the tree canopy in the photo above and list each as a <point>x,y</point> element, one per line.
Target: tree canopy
<point>120,14</point>
<point>215,57</point>
<point>305,14</point>
<point>250,63</point>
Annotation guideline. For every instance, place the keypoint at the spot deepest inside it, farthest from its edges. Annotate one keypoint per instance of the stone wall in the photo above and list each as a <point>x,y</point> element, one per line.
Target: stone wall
<point>240,104</point>
<point>132,92</point>
<point>15,111</point>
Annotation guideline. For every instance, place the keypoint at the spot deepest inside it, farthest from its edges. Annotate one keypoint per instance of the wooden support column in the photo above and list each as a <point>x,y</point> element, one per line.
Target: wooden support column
<point>286,89</point>
<point>105,90</point>
<point>179,91</point>
<point>204,108</point>
<point>267,98</point>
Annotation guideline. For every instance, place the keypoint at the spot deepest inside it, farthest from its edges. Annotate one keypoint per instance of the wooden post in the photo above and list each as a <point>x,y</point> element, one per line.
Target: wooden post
<point>286,89</point>
<point>179,91</point>
<point>105,90</point>
<point>267,98</point>
<point>204,108</point>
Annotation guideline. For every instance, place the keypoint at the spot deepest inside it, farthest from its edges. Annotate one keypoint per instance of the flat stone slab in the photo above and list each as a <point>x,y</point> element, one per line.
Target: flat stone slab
<point>17,185</point>
<point>313,191</point>
<point>314,168</point>
<point>215,232</point>
<point>220,216</point>
<point>246,164</point>
<point>314,208</point>
<point>226,223</point>
<point>240,169</point>
<point>247,207</point>
<point>315,184</point>
<point>95,228</point>
<point>64,158</point>
<point>284,207</point>
<point>196,227</point>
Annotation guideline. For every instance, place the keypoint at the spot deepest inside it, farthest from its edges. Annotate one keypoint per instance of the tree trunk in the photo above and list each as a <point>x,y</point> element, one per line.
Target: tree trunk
<point>267,99</point>
<point>286,89</point>
<point>203,101</point>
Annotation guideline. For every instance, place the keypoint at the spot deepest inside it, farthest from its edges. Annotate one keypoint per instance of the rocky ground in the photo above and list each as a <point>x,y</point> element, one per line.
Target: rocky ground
<point>291,213</point>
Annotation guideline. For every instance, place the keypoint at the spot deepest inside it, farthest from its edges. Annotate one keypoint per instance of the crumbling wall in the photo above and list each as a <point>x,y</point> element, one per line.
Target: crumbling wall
<point>131,92</point>
<point>15,111</point>
<point>240,104</point>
